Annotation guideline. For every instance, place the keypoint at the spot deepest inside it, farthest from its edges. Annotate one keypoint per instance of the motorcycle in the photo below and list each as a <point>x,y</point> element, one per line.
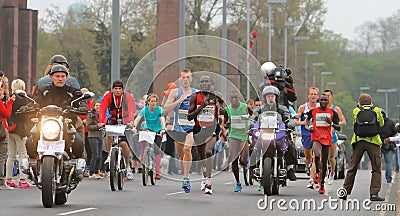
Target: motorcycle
<point>53,171</point>
<point>268,165</point>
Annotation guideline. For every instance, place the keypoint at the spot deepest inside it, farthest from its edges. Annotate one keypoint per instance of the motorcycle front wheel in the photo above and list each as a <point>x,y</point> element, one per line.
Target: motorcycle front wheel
<point>48,182</point>
<point>267,176</point>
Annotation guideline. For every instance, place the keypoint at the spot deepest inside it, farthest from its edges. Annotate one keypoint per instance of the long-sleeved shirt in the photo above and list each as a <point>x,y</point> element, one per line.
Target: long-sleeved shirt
<point>122,107</point>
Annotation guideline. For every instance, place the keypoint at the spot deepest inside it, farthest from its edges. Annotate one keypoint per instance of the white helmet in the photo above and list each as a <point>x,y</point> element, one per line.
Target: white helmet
<point>271,90</point>
<point>268,68</point>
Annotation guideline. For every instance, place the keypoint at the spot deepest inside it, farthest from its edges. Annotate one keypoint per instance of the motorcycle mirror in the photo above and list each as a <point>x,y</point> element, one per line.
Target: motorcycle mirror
<point>88,95</point>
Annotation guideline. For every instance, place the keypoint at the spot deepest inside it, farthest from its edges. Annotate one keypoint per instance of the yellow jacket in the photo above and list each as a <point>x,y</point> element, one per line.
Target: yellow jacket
<point>375,139</point>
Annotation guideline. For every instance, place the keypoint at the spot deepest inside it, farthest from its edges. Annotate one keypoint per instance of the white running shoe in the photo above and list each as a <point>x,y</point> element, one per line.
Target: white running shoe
<point>129,174</point>
<point>208,189</point>
<point>330,179</point>
<point>203,184</point>
<point>107,160</point>
<point>310,184</point>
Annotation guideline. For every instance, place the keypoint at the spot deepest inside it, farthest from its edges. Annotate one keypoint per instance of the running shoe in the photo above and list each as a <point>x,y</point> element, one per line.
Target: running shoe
<point>25,184</point>
<point>330,179</point>
<point>11,184</point>
<point>310,184</point>
<point>316,178</point>
<point>321,189</point>
<point>6,187</point>
<point>203,184</point>
<point>260,188</point>
<point>208,189</point>
<point>186,185</point>
<point>158,176</point>
<point>129,174</point>
<point>238,188</point>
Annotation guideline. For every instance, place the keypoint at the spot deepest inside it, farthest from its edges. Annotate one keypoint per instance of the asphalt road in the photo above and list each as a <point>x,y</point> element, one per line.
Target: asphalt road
<point>93,197</point>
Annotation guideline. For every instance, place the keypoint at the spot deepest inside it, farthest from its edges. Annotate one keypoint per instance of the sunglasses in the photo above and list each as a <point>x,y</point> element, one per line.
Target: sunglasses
<point>323,99</point>
<point>205,81</point>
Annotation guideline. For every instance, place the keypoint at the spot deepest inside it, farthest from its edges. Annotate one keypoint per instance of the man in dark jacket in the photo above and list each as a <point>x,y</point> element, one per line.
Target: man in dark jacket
<point>387,130</point>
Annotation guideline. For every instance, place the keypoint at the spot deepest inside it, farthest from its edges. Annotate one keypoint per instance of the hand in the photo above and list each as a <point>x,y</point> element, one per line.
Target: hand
<point>134,130</point>
<point>13,97</point>
<point>131,124</point>
<point>162,132</point>
<point>100,125</point>
<point>227,125</point>
<point>328,120</point>
<point>183,97</point>
<point>386,140</point>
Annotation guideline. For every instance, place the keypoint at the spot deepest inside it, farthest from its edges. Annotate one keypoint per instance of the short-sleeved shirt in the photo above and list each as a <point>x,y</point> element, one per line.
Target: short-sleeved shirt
<point>152,119</point>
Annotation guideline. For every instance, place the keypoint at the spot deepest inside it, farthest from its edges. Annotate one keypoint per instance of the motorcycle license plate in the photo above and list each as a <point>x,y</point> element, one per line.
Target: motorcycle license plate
<point>51,146</point>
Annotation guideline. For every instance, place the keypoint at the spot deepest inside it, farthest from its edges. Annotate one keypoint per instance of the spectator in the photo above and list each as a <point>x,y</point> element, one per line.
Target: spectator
<point>95,137</point>
<point>388,130</point>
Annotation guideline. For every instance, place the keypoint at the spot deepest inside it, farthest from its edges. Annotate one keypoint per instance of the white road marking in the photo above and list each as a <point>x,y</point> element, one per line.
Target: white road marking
<point>180,192</point>
<point>77,211</point>
<point>228,183</point>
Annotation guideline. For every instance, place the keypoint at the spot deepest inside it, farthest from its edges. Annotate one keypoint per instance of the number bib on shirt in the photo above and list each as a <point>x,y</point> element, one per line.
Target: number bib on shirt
<point>320,119</point>
<point>238,123</point>
<point>206,114</point>
<point>182,118</point>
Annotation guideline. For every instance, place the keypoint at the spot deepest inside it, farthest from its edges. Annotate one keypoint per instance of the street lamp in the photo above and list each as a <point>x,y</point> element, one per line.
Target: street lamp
<point>288,24</point>
<point>299,38</point>
<point>324,73</point>
<point>364,88</point>
<point>270,2</point>
<point>330,83</point>
<point>318,64</point>
<point>306,64</point>
<point>387,91</point>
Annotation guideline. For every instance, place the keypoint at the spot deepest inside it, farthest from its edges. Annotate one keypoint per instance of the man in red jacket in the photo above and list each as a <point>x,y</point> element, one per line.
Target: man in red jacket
<point>122,107</point>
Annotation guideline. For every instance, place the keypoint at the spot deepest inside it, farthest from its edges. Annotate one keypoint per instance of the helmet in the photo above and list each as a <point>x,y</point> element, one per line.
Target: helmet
<point>59,59</point>
<point>271,90</point>
<point>58,68</point>
<point>280,73</point>
<point>268,68</point>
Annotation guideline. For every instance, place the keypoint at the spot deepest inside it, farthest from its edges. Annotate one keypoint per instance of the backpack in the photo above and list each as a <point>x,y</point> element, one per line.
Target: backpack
<point>366,124</point>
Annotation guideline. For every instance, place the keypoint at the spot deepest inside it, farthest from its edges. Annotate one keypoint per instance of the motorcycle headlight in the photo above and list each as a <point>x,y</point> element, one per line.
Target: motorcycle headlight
<point>268,136</point>
<point>51,129</point>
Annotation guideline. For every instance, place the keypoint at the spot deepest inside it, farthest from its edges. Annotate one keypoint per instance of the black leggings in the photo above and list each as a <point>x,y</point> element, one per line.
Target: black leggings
<point>321,150</point>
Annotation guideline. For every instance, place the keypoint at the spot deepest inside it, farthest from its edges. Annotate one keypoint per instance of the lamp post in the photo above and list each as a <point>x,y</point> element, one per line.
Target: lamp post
<point>318,64</point>
<point>331,84</point>
<point>387,91</point>
<point>288,24</point>
<point>270,2</point>
<point>299,38</point>
<point>306,65</point>
<point>364,88</point>
<point>324,73</point>
<point>115,42</point>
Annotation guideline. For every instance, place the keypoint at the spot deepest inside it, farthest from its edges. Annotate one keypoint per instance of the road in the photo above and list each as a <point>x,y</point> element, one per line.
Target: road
<point>93,197</point>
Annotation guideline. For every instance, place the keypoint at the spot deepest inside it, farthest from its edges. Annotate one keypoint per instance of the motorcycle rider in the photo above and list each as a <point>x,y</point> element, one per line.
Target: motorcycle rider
<point>270,96</point>
<point>281,78</point>
<point>60,94</point>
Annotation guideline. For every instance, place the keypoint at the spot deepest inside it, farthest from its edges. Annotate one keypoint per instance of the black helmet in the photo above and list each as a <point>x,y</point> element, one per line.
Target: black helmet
<point>59,59</point>
<point>58,68</point>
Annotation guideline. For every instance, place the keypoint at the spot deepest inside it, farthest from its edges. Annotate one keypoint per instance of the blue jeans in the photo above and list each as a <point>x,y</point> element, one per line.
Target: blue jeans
<point>95,161</point>
<point>388,157</point>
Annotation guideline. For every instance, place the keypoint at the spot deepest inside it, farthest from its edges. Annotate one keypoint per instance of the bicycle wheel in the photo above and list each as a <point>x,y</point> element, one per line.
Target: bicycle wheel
<point>121,173</point>
<point>113,169</point>
<point>152,173</point>
<point>145,165</point>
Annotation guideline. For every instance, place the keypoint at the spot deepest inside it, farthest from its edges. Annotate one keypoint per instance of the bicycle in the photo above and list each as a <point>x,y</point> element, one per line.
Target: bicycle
<point>148,158</point>
<point>117,164</point>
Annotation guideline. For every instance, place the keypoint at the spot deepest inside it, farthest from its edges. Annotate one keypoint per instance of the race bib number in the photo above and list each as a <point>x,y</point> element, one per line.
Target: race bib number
<point>320,119</point>
<point>238,123</point>
<point>206,114</point>
<point>182,118</point>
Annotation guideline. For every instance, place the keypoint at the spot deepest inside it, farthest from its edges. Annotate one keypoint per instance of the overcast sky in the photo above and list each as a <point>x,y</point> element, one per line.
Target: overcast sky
<point>343,15</point>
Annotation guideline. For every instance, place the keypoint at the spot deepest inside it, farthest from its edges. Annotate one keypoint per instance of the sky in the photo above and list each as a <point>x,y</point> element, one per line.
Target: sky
<point>343,15</point>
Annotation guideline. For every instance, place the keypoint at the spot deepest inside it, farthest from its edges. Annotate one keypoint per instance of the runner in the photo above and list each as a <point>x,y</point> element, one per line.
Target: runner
<point>237,136</point>
<point>179,101</point>
<point>203,109</point>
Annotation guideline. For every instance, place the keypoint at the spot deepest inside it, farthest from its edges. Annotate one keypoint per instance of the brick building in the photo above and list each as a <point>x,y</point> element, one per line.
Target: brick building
<point>18,40</point>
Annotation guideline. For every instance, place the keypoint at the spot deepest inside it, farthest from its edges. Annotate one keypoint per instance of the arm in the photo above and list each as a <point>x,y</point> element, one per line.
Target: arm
<point>171,102</point>
<point>90,124</point>
<point>137,119</point>
<point>103,108</point>
<point>5,110</point>
<point>193,111</point>
<point>342,120</point>
<point>335,121</point>
<point>131,108</point>
<point>297,122</point>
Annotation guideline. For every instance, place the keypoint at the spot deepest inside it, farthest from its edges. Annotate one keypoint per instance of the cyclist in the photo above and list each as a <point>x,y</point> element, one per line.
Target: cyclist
<point>323,119</point>
<point>179,101</point>
<point>313,95</point>
<point>237,135</point>
<point>121,106</point>
<point>154,121</point>
<point>203,109</point>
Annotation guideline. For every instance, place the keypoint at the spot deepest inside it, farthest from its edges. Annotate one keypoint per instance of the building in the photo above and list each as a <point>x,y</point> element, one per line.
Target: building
<point>18,41</point>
